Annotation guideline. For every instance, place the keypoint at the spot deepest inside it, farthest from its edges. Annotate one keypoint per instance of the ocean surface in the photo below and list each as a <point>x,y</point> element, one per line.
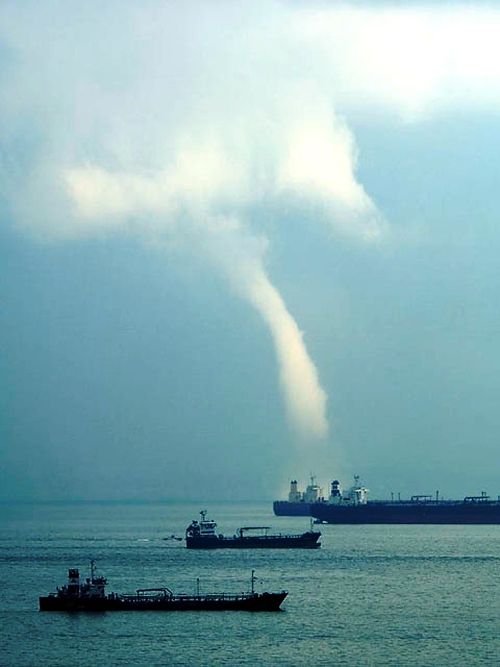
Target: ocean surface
<point>372,595</point>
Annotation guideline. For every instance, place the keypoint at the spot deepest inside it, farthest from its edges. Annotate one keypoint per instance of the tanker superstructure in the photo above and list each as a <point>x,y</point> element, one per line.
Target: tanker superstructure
<point>299,503</point>
<point>353,507</point>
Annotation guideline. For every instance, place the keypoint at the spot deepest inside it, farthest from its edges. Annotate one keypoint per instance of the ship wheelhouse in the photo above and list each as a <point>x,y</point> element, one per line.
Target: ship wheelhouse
<point>202,528</point>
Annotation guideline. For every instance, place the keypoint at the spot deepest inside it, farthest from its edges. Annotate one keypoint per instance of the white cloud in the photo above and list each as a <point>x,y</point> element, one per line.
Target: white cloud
<point>414,60</point>
<point>179,120</point>
<point>199,177</point>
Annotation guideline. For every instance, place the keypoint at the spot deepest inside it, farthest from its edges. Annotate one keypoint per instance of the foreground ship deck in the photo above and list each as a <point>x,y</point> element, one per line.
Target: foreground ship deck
<point>90,596</point>
<point>353,507</point>
<point>203,535</point>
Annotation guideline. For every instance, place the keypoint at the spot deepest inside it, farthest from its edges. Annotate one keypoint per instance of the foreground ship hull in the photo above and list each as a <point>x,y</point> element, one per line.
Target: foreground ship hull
<point>305,541</point>
<point>90,595</point>
<point>250,602</point>
<point>441,512</point>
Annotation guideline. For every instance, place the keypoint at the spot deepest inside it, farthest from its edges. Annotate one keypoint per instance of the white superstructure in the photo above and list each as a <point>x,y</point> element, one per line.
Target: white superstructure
<point>357,494</point>
<point>312,494</point>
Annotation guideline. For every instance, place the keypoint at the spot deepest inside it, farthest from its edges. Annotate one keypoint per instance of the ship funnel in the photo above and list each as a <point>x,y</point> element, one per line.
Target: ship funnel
<point>335,492</point>
<point>73,576</point>
<point>73,587</point>
<point>294,496</point>
<point>336,488</point>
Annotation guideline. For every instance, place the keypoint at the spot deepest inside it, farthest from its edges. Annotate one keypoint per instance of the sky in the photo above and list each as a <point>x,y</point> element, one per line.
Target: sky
<point>247,242</point>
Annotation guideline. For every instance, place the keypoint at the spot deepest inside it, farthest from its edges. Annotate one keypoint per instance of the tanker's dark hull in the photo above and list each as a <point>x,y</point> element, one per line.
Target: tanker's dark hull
<point>285,508</point>
<point>400,512</point>
<point>307,540</point>
<point>246,602</point>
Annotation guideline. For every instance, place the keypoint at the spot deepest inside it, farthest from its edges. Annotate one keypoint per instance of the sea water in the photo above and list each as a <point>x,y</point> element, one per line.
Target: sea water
<point>371,595</point>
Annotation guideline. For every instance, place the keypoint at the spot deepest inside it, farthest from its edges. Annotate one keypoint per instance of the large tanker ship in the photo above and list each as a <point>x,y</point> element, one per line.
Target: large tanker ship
<point>353,507</point>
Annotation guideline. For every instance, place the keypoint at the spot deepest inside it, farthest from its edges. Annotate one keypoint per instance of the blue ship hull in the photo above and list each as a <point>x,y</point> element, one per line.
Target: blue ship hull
<point>401,512</point>
<point>286,508</point>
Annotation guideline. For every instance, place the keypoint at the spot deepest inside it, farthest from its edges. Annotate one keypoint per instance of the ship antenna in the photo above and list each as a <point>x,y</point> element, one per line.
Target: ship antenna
<point>92,570</point>
<point>252,580</point>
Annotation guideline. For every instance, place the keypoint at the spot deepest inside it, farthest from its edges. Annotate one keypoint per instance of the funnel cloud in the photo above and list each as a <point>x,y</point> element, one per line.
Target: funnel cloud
<point>129,147</point>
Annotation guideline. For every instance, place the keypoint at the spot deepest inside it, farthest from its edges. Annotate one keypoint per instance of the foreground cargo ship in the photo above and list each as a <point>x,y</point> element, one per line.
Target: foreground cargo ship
<point>202,534</point>
<point>90,595</point>
<point>354,507</point>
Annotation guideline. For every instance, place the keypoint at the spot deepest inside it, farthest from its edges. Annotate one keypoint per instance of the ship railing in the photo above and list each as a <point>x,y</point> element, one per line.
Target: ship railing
<point>223,596</point>
<point>209,597</point>
<point>410,501</point>
<point>483,498</point>
<point>274,536</point>
<point>433,501</point>
<point>154,592</point>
